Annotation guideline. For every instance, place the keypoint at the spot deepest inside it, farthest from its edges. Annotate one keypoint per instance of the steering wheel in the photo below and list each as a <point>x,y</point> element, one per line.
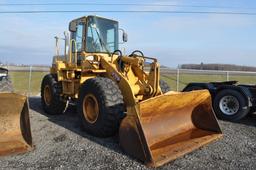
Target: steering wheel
<point>137,51</point>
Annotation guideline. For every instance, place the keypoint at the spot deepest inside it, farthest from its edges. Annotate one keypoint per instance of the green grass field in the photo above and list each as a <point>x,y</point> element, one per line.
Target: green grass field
<point>21,80</point>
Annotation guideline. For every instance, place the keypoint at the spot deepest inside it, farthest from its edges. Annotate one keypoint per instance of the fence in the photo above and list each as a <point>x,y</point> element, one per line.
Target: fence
<point>179,78</point>
<point>27,80</point>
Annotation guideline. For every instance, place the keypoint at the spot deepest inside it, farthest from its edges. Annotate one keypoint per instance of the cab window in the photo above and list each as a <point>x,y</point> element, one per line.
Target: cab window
<point>79,37</point>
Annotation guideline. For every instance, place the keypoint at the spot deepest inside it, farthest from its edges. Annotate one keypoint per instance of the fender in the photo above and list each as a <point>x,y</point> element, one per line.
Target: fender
<point>216,87</point>
<point>208,86</point>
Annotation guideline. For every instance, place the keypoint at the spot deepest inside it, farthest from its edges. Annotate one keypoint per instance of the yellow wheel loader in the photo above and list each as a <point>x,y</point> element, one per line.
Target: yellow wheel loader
<point>115,94</point>
<point>14,119</point>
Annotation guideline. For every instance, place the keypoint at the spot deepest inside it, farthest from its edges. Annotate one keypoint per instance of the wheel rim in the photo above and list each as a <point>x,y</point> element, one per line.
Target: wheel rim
<point>47,95</point>
<point>229,105</point>
<point>90,108</point>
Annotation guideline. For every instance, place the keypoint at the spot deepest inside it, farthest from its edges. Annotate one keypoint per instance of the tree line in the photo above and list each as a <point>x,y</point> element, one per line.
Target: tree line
<point>224,67</point>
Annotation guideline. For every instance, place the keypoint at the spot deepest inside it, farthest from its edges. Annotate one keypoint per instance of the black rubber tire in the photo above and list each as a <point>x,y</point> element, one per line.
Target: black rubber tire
<point>111,106</point>
<point>243,107</point>
<point>57,105</point>
<point>164,86</point>
<point>6,85</point>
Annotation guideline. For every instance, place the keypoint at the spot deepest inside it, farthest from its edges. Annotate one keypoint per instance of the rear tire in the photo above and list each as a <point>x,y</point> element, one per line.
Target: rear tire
<point>164,86</point>
<point>100,106</point>
<point>6,85</point>
<point>230,105</point>
<point>51,100</point>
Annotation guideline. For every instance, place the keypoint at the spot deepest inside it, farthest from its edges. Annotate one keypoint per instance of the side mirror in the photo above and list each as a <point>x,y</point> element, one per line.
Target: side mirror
<point>125,37</point>
<point>72,26</point>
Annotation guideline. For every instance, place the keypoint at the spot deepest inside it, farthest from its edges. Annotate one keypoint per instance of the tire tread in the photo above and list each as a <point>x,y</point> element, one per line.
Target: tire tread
<point>58,105</point>
<point>112,105</point>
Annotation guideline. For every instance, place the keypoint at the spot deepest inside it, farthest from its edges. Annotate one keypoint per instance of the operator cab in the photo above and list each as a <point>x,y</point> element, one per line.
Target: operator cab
<point>94,34</point>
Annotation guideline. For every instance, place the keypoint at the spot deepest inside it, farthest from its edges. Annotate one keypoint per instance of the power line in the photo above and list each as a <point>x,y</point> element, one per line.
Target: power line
<point>129,11</point>
<point>119,4</point>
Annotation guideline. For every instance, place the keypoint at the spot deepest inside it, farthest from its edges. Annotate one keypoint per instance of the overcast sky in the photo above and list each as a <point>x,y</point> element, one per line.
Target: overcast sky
<point>172,38</point>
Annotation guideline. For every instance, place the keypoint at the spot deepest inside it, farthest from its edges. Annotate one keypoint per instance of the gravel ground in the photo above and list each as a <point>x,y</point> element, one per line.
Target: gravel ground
<point>60,144</point>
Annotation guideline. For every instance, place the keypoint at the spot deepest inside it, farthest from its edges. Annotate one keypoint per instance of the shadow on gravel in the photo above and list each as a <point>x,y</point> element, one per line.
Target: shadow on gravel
<point>70,121</point>
<point>249,120</point>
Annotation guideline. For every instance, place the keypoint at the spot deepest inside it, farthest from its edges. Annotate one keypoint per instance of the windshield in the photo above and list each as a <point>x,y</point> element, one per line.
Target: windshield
<point>102,35</point>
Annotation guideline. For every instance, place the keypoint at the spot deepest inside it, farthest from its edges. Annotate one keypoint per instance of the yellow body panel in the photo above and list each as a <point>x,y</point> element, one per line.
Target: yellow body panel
<point>108,68</point>
<point>158,127</point>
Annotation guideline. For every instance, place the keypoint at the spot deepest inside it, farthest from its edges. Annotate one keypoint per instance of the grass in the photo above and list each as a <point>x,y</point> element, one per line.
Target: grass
<point>21,80</point>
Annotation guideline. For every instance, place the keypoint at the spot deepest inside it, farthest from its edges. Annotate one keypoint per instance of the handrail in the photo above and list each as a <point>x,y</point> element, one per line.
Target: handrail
<point>58,48</point>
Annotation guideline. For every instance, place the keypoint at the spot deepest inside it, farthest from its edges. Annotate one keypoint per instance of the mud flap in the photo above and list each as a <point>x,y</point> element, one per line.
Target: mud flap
<point>163,128</point>
<point>14,124</point>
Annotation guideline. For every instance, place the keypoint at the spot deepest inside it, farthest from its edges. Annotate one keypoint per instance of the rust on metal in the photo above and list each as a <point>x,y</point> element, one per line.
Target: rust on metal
<point>47,95</point>
<point>168,126</point>
<point>90,108</point>
<point>14,124</point>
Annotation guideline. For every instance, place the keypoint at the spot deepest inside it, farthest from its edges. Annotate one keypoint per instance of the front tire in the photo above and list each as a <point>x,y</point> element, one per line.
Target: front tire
<point>230,105</point>
<point>51,95</point>
<point>100,106</point>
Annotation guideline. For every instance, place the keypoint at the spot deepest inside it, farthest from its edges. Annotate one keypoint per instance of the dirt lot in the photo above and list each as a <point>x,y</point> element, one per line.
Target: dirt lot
<point>60,144</point>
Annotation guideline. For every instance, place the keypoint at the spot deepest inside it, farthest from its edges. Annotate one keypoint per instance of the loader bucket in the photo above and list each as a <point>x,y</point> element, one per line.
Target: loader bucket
<point>163,128</point>
<point>14,124</point>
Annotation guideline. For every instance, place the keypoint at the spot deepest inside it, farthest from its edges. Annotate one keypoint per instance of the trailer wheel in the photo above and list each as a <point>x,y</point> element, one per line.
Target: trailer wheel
<point>164,86</point>
<point>100,106</point>
<point>230,105</point>
<point>50,95</point>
